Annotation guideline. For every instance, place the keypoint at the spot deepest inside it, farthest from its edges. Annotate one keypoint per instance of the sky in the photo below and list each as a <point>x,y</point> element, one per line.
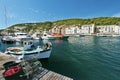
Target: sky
<point>30,11</point>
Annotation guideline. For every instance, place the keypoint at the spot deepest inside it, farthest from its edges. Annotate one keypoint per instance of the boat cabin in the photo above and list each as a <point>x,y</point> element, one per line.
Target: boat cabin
<point>28,45</point>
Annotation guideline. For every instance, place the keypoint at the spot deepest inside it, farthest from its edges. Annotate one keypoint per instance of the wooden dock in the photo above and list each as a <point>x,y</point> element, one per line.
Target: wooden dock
<point>42,75</point>
<point>54,76</point>
<point>50,75</point>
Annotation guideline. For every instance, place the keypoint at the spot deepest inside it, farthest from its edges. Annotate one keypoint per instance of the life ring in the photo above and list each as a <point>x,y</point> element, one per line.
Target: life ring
<point>25,43</point>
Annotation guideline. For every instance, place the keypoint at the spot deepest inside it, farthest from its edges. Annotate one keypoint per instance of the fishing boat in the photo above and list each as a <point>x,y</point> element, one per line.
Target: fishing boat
<point>60,36</point>
<point>7,39</point>
<point>101,35</point>
<point>29,50</point>
<point>35,37</point>
<point>20,36</point>
<point>48,35</point>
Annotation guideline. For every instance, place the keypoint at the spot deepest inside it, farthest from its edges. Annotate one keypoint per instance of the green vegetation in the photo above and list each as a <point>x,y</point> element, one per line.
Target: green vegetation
<point>96,21</point>
<point>66,23</point>
<point>1,31</point>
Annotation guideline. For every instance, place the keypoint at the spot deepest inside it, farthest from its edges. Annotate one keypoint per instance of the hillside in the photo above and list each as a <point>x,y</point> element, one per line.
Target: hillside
<point>40,26</point>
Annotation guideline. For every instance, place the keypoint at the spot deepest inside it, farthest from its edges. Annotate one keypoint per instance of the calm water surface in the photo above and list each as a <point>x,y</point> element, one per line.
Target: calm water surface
<point>83,58</point>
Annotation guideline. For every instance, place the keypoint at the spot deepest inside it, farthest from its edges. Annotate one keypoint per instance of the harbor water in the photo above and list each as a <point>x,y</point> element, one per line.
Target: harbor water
<point>83,58</point>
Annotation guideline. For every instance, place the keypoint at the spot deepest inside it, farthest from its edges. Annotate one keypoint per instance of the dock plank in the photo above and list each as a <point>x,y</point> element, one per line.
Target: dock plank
<point>54,76</point>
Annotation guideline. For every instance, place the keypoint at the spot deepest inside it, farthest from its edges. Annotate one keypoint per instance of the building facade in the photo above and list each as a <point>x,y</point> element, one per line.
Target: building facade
<point>87,29</point>
<point>109,29</point>
<point>72,30</point>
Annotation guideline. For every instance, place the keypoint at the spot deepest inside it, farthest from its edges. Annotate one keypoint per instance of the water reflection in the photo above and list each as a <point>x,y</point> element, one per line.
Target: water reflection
<point>45,41</point>
<point>84,41</point>
<point>58,41</point>
<point>107,39</point>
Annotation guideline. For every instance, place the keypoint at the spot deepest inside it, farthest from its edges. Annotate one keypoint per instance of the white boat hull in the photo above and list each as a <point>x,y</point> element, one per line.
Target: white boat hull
<point>30,51</point>
<point>46,37</point>
<point>39,55</point>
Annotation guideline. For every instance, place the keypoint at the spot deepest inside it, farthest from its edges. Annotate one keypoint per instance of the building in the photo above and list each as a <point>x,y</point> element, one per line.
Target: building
<point>87,29</point>
<point>109,29</point>
<point>58,29</point>
<point>72,30</point>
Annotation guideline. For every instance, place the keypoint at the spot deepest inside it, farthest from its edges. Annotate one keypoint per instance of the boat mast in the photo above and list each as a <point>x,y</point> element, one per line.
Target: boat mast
<point>5,15</point>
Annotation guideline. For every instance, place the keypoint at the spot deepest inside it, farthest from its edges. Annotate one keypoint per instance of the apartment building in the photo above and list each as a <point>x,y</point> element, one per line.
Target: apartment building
<point>87,29</point>
<point>72,30</point>
<point>109,29</point>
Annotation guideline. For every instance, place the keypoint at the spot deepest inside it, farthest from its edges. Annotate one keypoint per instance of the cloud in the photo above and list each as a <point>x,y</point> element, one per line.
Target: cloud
<point>116,15</point>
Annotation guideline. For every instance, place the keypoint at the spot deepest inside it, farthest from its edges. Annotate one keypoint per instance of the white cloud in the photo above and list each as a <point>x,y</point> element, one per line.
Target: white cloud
<point>116,15</point>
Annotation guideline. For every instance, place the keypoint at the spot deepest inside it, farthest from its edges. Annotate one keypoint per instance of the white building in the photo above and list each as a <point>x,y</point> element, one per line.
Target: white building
<point>87,29</point>
<point>72,30</point>
<point>109,29</point>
